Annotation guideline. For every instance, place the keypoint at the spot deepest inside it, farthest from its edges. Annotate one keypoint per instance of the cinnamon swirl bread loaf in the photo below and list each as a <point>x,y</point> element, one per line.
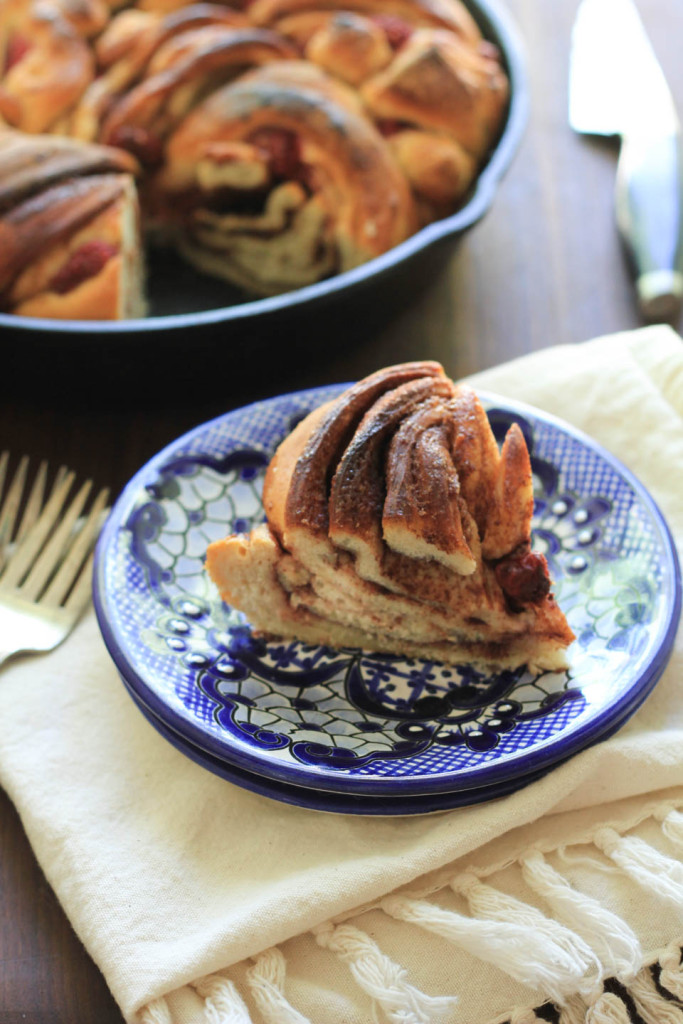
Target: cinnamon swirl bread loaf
<point>395,524</point>
<point>278,142</point>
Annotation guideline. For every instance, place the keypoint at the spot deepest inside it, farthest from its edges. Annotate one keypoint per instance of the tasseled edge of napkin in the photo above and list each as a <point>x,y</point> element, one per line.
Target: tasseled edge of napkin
<point>586,962</point>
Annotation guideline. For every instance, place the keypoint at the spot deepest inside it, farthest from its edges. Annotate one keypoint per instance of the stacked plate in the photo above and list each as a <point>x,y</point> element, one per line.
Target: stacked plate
<point>352,731</point>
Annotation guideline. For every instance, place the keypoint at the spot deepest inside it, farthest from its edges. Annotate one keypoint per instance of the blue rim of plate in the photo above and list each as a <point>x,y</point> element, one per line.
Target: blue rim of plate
<point>341,803</point>
<point>355,723</point>
<point>324,800</point>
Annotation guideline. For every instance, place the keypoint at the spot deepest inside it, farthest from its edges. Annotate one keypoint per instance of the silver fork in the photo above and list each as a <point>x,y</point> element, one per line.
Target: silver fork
<point>46,555</point>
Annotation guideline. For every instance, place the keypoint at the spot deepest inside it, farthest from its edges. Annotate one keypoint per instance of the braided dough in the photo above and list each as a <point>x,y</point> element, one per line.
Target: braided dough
<point>277,142</point>
<point>395,524</point>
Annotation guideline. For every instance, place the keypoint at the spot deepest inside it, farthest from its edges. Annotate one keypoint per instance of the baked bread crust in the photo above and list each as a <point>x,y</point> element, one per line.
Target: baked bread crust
<point>438,83</point>
<point>126,49</point>
<point>440,102</point>
<point>439,13</point>
<point>382,113</point>
<point>394,523</point>
<point>70,243</point>
<point>30,163</point>
<point>348,46</point>
<point>182,71</point>
<point>45,65</point>
<point>332,195</point>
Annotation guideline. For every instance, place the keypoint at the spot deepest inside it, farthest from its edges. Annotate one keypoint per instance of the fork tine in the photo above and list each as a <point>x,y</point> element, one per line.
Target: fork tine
<point>50,556</point>
<point>34,503</point>
<point>4,461</point>
<point>25,554</point>
<point>10,506</point>
<point>64,578</point>
<point>59,478</point>
<point>80,596</point>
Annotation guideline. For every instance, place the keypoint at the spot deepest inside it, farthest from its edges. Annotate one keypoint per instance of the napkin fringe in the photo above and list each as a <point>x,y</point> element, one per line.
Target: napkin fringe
<point>645,865</point>
<point>671,971</point>
<point>222,1002</point>
<point>383,980</point>
<point>573,1011</point>
<point>649,1003</point>
<point>266,981</point>
<point>156,1012</point>
<point>615,944</point>
<point>585,962</point>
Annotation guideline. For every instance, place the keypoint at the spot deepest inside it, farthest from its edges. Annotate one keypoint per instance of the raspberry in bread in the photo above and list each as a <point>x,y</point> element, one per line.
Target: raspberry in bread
<point>395,524</point>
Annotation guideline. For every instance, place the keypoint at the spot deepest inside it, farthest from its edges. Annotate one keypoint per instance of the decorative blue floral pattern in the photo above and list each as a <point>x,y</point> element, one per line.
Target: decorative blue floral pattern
<point>352,721</point>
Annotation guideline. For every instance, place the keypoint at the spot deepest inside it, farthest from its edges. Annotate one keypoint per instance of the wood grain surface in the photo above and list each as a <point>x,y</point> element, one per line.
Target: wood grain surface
<point>544,267</point>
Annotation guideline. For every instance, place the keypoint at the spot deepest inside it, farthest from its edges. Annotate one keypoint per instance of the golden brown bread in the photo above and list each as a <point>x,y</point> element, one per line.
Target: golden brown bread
<point>440,102</point>
<point>288,201</point>
<point>437,168</point>
<point>127,48</point>
<point>347,45</point>
<point>30,163</point>
<point>70,245</point>
<point>327,193</point>
<point>88,17</point>
<point>168,6</point>
<point>448,14</point>
<point>94,273</point>
<point>183,71</point>
<point>45,64</point>
<point>395,524</point>
<point>439,83</point>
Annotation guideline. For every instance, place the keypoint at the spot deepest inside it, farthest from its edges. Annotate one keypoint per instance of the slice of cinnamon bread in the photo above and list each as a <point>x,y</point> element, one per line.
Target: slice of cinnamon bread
<point>394,523</point>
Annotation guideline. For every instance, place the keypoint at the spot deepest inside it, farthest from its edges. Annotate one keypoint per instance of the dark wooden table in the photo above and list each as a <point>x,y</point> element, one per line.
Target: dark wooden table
<point>544,268</point>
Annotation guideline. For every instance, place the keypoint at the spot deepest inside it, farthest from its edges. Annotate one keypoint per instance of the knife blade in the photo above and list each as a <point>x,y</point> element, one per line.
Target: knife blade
<point>617,87</point>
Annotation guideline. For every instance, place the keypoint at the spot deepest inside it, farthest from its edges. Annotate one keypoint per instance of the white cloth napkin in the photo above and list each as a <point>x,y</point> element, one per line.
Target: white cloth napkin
<point>174,878</point>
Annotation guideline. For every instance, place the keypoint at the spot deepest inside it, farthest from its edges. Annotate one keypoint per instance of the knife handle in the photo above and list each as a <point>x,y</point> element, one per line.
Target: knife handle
<point>649,210</point>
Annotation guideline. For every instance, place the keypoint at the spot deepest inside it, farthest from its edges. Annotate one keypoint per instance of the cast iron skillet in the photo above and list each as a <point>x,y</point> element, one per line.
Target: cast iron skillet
<point>188,308</point>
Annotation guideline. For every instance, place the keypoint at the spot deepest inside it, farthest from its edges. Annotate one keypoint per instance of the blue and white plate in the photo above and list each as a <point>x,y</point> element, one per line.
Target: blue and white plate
<point>324,799</point>
<point>354,730</point>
